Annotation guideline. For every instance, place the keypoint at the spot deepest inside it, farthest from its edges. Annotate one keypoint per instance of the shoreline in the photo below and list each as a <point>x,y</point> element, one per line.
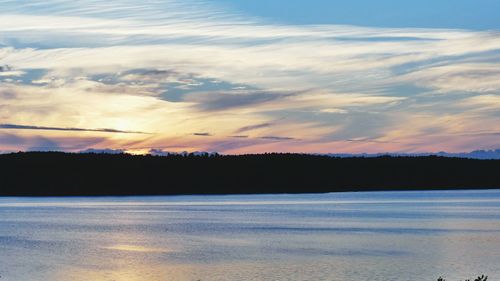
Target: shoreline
<point>259,194</point>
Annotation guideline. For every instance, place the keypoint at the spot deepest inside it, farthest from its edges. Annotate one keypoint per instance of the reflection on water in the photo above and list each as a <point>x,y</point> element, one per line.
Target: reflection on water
<point>346,236</point>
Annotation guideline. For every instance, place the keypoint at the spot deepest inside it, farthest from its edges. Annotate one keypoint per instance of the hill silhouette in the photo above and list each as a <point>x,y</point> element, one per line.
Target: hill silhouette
<point>65,174</point>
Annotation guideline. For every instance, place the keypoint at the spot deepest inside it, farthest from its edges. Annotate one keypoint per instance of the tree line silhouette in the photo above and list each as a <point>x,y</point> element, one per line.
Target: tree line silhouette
<point>479,278</point>
<point>66,174</point>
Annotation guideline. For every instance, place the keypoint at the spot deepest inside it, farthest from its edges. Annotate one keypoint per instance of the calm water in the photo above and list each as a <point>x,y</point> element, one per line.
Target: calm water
<point>348,236</point>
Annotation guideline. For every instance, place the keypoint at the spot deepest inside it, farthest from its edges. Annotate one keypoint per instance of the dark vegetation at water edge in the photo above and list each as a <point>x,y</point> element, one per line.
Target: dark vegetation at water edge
<point>479,278</point>
<point>59,174</point>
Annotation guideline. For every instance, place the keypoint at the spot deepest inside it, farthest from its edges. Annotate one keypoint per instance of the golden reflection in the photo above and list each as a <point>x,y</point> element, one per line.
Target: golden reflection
<point>137,248</point>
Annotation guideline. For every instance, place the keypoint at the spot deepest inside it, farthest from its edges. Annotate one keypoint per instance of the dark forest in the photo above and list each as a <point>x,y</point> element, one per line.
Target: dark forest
<point>66,174</point>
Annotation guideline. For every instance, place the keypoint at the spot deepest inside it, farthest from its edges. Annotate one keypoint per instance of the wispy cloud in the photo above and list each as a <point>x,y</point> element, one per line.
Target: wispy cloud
<point>43,128</point>
<point>370,141</point>
<point>217,101</point>
<point>177,67</point>
<point>202,134</point>
<point>277,138</point>
<point>252,127</point>
<point>16,142</point>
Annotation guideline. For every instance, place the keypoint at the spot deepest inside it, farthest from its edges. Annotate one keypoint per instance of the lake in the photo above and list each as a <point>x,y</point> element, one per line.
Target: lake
<point>343,236</point>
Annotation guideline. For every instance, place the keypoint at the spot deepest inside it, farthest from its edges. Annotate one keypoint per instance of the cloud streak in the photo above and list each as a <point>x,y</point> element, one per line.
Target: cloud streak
<point>276,138</point>
<point>202,134</point>
<point>252,127</point>
<point>43,128</point>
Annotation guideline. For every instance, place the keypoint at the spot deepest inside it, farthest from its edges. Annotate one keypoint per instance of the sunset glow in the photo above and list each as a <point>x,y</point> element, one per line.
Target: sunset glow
<point>208,76</point>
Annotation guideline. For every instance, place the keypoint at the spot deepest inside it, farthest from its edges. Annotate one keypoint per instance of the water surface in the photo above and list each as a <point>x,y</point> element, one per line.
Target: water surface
<point>344,236</point>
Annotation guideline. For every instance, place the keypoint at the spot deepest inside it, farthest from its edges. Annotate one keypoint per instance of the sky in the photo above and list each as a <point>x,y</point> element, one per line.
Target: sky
<point>238,76</point>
